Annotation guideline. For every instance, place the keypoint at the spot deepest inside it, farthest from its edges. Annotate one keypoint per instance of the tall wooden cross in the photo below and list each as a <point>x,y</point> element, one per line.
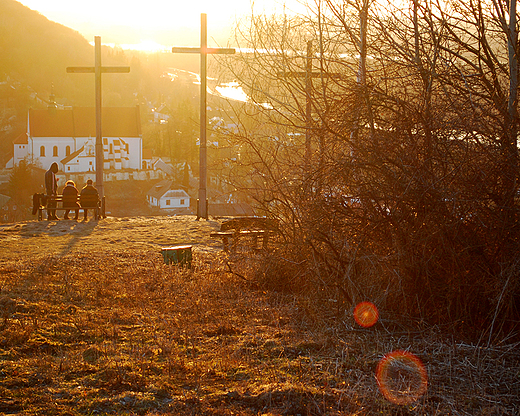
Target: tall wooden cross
<point>97,69</point>
<point>202,206</point>
<point>308,74</point>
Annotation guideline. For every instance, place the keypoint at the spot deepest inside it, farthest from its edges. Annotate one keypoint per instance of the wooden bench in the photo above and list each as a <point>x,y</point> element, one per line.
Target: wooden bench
<point>253,228</point>
<point>41,203</point>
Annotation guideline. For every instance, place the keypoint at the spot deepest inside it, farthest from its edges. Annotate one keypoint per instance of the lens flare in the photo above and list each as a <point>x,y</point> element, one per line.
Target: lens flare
<point>401,377</point>
<point>366,314</point>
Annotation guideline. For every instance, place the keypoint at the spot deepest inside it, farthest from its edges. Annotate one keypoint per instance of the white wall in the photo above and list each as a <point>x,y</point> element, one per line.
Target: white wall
<point>134,147</point>
<point>20,151</point>
<point>49,143</point>
<point>175,200</point>
<point>135,150</point>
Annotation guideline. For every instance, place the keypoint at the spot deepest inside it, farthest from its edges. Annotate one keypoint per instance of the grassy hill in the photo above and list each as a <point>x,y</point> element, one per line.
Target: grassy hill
<point>93,322</point>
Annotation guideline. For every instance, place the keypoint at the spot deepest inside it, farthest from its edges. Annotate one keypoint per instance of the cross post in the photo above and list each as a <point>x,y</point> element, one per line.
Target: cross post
<point>97,69</point>
<point>202,205</point>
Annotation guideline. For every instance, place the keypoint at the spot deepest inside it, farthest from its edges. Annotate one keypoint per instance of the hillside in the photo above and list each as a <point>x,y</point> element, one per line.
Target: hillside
<point>36,51</point>
<point>93,322</point>
<point>35,54</point>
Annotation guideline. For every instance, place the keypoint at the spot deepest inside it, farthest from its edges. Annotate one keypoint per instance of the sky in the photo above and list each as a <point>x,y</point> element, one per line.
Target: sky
<point>166,22</point>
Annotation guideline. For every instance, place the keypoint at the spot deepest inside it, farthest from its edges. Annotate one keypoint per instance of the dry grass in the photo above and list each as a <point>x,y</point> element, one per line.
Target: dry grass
<point>93,322</point>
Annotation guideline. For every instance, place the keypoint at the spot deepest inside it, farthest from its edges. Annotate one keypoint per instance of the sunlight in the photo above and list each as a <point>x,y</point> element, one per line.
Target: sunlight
<point>152,14</point>
<point>148,46</point>
<point>109,16</point>
<point>233,91</point>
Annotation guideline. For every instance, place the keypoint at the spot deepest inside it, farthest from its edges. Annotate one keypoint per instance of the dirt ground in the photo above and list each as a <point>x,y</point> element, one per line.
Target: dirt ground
<point>93,322</point>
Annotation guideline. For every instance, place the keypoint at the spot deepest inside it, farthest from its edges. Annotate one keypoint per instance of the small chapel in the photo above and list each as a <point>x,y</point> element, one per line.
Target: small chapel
<point>68,136</point>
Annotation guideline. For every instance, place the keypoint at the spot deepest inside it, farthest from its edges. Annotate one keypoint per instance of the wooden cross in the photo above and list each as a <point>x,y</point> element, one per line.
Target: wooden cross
<point>202,205</point>
<point>97,69</point>
<point>309,75</point>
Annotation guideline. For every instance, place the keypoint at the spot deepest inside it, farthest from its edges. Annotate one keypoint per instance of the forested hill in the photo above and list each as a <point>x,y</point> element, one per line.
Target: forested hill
<point>36,51</point>
<point>34,55</point>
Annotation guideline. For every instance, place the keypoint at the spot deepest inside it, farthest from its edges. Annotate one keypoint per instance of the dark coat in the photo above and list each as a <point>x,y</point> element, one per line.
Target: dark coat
<point>87,191</point>
<point>51,182</point>
<point>37,201</point>
<point>70,197</point>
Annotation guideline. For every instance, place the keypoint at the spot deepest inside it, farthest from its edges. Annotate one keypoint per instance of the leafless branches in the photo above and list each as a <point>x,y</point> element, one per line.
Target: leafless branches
<point>408,157</point>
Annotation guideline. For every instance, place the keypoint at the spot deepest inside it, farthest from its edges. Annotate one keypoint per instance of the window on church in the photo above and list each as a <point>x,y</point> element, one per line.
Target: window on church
<point>42,151</point>
<point>55,151</point>
<point>67,151</point>
<point>111,148</point>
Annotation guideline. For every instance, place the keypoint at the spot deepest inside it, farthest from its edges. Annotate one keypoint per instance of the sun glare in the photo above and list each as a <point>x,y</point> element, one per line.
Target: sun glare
<point>366,314</point>
<point>155,14</point>
<point>152,14</point>
<point>146,46</point>
<point>402,377</point>
<point>233,91</point>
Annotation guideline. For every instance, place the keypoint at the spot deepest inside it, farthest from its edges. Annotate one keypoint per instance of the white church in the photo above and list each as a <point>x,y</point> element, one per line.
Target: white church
<point>68,137</point>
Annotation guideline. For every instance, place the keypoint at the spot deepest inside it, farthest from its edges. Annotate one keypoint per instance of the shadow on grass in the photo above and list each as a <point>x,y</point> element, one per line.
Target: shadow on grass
<point>76,229</point>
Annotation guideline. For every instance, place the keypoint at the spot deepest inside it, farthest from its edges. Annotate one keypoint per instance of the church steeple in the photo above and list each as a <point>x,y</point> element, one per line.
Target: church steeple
<point>52,101</point>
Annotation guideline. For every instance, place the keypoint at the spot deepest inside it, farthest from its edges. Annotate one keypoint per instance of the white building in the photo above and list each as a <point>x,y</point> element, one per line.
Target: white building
<point>67,136</point>
<point>161,196</point>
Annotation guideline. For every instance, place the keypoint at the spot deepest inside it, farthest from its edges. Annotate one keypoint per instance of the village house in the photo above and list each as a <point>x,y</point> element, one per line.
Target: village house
<point>169,200</point>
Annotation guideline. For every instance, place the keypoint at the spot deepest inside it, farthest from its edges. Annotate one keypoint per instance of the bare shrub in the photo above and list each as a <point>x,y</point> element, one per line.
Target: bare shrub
<point>393,175</point>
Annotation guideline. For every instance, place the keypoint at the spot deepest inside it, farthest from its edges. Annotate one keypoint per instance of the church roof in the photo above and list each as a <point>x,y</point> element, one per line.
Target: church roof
<point>81,122</point>
<point>72,156</point>
<point>21,139</point>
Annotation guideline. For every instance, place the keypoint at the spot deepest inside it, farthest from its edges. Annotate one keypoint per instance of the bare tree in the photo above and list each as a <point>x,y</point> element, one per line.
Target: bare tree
<point>411,112</point>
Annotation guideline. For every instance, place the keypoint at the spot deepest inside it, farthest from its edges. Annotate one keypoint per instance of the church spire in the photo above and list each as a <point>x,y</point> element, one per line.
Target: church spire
<point>52,101</point>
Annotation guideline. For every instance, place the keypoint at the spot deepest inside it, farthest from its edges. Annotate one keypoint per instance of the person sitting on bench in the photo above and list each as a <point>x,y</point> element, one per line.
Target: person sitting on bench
<point>70,199</point>
<point>87,197</point>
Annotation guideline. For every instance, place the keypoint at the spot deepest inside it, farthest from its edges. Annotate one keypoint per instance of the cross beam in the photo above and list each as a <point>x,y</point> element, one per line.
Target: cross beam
<point>97,69</point>
<point>202,206</point>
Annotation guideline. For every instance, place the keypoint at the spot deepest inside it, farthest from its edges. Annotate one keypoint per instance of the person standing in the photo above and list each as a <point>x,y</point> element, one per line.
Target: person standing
<point>51,189</point>
<point>70,199</point>
<point>89,197</point>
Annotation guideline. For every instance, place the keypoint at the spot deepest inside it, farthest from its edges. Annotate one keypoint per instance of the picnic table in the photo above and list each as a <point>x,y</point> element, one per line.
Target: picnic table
<point>252,228</point>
